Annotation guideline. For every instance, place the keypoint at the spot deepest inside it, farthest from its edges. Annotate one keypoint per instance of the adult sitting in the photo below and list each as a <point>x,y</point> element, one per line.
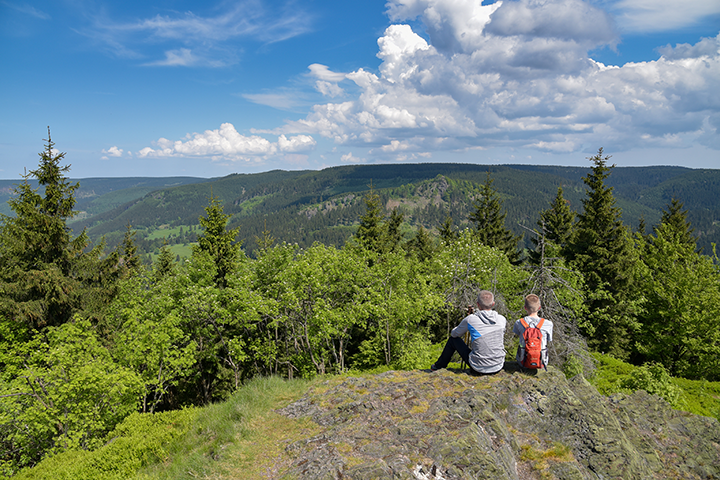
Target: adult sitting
<point>486,354</point>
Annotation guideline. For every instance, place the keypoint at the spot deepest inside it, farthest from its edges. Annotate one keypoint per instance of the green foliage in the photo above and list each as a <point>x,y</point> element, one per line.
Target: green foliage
<point>556,224</point>
<point>140,440</point>
<point>417,352</point>
<point>490,222</point>
<point>46,276</point>
<point>218,242</point>
<point>572,366</point>
<point>421,245</point>
<point>695,396</point>
<point>465,266</point>
<point>699,397</point>
<point>61,391</point>
<point>602,251</point>
<point>654,379</point>
<point>679,290</point>
<point>150,338</point>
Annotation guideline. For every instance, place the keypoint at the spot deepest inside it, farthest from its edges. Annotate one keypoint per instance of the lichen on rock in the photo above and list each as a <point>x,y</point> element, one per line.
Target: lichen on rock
<point>512,425</point>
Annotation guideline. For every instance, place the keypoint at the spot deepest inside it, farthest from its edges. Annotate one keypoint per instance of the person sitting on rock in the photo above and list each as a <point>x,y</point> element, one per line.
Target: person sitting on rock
<point>532,307</point>
<point>487,330</point>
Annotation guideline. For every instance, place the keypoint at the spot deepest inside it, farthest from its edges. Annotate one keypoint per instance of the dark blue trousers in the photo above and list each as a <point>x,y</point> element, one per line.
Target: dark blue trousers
<point>454,344</point>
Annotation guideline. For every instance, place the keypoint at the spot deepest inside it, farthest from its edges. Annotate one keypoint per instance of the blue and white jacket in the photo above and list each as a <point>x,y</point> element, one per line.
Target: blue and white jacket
<point>487,332</point>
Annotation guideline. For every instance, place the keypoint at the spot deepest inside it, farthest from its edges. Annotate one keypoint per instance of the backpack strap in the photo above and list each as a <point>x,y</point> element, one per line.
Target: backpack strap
<point>540,323</point>
<point>524,323</point>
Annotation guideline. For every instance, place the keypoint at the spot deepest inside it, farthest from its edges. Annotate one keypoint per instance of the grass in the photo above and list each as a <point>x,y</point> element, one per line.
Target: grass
<point>695,396</point>
<point>238,438</point>
<point>182,250</point>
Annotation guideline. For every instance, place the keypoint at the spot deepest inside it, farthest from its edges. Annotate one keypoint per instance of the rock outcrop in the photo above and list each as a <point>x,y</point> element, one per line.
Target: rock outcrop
<point>512,425</point>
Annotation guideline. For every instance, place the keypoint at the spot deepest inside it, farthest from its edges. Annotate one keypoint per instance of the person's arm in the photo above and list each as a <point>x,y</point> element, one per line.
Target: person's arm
<point>461,329</point>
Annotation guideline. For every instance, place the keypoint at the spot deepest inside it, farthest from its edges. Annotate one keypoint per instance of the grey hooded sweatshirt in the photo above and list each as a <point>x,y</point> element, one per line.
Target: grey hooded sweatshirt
<point>487,332</point>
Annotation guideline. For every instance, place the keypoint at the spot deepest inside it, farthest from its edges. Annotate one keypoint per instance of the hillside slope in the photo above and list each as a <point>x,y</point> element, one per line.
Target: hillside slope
<point>325,206</point>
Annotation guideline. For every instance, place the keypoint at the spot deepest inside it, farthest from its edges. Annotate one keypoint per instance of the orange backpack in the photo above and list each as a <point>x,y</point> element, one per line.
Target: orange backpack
<point>533,345</point>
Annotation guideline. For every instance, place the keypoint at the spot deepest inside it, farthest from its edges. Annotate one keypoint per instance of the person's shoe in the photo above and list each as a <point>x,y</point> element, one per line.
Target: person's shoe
<point>433,368</point>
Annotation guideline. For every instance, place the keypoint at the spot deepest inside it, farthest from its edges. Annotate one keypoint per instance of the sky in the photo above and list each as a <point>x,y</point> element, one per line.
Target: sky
<point>213,87</point>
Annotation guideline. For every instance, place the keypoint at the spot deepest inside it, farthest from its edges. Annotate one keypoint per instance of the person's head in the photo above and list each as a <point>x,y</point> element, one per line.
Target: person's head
<point>485,300</point>
<point>532,303</point>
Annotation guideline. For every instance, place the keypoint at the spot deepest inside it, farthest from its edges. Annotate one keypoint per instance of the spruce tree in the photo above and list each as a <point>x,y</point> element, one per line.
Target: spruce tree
<point>556,227</point>
<point>392,235</point>
<point>371,231</point>
<point>558,220</point>
<point>219,242</point>
<point>39,284</point>
<point>679,288</point>
<point>164,265</point>
<point>421,245</point>
<point>675,220</point>
<point>490,222</point>
<point>601,249</point>
<point>447,231</point>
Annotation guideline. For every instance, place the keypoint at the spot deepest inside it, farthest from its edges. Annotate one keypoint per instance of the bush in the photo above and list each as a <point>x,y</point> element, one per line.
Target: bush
<point>654,379</point>
<point>141,439</point>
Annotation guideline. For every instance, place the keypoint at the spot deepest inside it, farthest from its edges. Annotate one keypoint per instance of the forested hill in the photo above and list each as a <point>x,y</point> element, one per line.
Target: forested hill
<point>325,205</point>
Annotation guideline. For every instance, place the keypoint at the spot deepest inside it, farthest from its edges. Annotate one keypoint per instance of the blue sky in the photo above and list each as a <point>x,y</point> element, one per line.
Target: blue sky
<point>209,88</point>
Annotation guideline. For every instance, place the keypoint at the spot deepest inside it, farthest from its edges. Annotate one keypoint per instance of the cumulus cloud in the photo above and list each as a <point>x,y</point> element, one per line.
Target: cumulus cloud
<point>350,158</point>
<point>226,143</point>
<point>112,152</point>
<point>518,73</point>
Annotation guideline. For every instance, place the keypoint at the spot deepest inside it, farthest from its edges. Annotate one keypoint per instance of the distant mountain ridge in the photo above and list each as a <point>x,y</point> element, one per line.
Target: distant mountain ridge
<point>325,205</point>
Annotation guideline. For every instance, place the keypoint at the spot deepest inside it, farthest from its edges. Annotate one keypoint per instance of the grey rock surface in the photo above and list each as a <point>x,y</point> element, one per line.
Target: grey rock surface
<point>512,425</point>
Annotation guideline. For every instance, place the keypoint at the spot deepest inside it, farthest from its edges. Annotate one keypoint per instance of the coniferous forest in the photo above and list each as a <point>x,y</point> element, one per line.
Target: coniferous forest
<point>94,328</point>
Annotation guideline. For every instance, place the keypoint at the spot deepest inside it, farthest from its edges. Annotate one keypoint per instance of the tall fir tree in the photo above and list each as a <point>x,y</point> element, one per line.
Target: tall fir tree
<point>393,236</point>
<point>556,227</point>
<point>219,242</point>
<point>679,288</point>
<point>558,220</point>
<point>489,222</point>
<point>674,218</point>
<point>45,275</point>
<point>601,249</point>
<point>371,231</point>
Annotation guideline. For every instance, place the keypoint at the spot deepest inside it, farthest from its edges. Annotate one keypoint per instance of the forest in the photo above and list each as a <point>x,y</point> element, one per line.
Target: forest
<point>90,333</point>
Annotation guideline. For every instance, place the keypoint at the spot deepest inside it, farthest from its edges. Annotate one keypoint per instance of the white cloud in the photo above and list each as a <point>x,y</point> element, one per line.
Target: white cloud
<point>182,57</point>
<point>328,89</point>
<point>112,152</point>
<point>297,144</point>
<point>663,15</point>
<point>350,158</point>
<point>281,99</point>
<point>518,74</point>
<point>201,40</point>
<point>322,72</point>
<point>226,143</point>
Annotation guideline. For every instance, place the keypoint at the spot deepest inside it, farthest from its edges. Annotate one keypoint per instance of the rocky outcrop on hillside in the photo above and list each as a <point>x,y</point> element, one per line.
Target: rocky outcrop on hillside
<point>512,425</point>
